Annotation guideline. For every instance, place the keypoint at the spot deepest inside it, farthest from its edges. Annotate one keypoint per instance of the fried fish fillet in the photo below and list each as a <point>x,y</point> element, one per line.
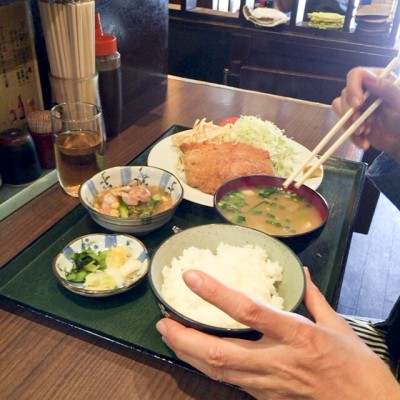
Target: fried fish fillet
<point>209,165</point>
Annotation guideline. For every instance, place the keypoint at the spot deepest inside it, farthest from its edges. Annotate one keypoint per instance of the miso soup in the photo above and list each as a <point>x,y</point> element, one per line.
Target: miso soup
<point>270,209</point>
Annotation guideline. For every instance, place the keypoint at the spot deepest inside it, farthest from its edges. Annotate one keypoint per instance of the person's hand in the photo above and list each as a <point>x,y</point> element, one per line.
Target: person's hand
<point>295,359</point>
<point>382,128</point>
<point>284,5</point>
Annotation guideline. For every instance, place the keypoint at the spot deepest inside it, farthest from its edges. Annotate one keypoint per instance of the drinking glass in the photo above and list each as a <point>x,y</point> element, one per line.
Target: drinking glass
<point>79,143</point>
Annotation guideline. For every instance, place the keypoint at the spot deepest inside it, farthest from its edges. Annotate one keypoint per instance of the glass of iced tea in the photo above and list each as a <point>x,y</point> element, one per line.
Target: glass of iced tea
<point>79,143</point>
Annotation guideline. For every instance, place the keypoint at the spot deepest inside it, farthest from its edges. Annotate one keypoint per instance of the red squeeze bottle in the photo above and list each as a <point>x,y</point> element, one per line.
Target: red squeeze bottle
<point>108,67</point>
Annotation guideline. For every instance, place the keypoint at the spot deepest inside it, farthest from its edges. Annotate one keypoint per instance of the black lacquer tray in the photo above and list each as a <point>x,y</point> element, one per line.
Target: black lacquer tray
<point>129,319</point>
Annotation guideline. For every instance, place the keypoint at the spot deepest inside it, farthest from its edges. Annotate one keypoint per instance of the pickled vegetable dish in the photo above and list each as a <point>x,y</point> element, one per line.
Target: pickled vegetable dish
<point>135,200</point>
<point>270,209</point>
<point>103,270</point>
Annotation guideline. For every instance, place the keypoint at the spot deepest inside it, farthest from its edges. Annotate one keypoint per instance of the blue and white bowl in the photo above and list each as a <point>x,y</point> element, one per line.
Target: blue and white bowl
<point>116,176</point>
<point>100,242</point>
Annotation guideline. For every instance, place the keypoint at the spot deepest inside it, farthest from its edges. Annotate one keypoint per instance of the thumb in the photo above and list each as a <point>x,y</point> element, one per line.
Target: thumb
<point>320,309</point>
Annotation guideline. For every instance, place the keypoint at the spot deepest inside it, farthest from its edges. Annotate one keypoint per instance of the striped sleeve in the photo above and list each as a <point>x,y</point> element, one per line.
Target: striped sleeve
<point>373,338</point>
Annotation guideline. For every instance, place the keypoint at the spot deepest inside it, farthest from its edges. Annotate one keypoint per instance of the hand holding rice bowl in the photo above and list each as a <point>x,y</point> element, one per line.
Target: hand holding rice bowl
<point>247,269</point>
<point>190,246</point>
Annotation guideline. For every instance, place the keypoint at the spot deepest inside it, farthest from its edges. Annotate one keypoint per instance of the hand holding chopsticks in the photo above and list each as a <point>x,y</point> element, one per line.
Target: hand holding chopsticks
<point>353,128</point>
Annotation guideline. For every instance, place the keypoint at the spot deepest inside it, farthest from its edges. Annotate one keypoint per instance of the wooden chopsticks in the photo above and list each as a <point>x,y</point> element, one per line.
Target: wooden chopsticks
<point>301,168</point>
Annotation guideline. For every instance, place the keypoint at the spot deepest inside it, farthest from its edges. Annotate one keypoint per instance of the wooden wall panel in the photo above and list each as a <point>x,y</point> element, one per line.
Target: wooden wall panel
<point>321,89</point>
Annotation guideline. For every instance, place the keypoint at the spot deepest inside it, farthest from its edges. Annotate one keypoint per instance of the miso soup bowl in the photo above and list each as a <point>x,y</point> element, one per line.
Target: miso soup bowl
<point>252,181</point>
<point>117,176</point>
<point>291,288</point>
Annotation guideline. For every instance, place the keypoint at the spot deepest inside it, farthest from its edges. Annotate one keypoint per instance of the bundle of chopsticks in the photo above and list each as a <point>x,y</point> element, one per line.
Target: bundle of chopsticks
<point>69,32</point>
<point>308,170</point>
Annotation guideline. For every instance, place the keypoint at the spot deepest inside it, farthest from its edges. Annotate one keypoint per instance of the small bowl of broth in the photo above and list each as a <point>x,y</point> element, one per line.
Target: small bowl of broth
<point>262,202</point>
<point>132,199</point>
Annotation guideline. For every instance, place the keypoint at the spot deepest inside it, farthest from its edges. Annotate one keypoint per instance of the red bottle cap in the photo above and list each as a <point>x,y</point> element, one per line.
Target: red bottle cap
<point>106,45</point>
<point>97,25</point>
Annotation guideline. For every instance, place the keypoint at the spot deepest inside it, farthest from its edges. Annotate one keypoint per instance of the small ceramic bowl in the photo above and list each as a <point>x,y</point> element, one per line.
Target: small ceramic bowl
<point>253,181</point>
<point>291,288</point>
<point>99,242</point>
<point>117,176</point>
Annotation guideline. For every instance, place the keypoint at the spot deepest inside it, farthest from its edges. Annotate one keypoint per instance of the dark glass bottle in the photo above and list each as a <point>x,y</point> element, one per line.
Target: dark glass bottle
<point>108,66</point>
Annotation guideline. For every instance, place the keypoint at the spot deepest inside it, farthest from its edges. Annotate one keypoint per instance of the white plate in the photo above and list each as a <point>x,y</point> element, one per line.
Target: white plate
<point>99,242</point>
<point>163,155</point>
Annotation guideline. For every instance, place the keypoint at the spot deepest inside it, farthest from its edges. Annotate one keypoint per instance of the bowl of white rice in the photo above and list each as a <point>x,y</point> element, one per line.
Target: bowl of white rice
<point>242,258</point>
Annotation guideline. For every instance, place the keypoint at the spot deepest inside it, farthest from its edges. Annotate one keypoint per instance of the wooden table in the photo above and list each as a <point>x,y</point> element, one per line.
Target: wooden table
<point>41,359</point>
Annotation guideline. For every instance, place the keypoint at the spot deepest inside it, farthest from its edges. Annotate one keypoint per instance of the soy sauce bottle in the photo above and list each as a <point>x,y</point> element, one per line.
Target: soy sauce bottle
<point>108,66</point>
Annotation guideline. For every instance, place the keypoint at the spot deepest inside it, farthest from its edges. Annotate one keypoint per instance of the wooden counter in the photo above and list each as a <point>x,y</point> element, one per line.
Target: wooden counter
<point>41,359</point>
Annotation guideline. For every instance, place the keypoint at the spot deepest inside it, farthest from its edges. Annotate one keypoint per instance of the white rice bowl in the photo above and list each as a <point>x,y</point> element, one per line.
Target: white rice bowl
<point>196,248</point>
<point>246,268</point>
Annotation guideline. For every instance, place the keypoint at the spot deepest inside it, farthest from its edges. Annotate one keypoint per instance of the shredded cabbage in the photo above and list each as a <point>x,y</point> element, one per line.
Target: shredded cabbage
<point>267,136</point>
